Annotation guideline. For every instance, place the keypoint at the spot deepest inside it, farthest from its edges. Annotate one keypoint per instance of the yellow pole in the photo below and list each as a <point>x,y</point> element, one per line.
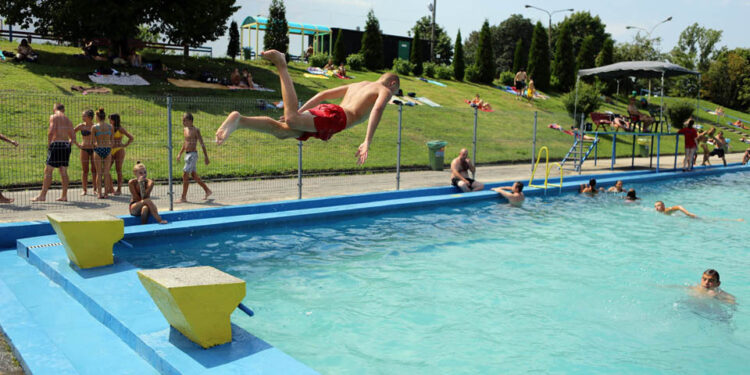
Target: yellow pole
<point>242,41</point>
<point>257,42</point>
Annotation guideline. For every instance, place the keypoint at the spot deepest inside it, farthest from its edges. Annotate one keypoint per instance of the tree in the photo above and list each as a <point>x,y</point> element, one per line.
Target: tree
<point>233,49</point>
<point>565,65</point>
<point>416,54</point>
<point>582,25</point>
<point>606,55</point>
<point>505,38</point>
<point>485,60</point>
<point>539,58</point>
<point>520,59</point>
<point>372,43</point>
<point>641,49</point>
<point>276,36</point>
<point>727,80</point>
<point>459,65</point>
<point>193,22</point>
<point>696,47</point>
<point>339,53</point>
<point>443,45</point>
<point>587,54</point>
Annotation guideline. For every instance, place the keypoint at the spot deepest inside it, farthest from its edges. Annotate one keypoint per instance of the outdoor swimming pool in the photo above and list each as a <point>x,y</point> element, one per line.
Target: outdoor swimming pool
<point>572,285</point>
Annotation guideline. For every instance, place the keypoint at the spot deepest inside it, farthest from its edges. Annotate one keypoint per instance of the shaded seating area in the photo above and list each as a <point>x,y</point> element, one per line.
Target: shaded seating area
<point>318,32</point>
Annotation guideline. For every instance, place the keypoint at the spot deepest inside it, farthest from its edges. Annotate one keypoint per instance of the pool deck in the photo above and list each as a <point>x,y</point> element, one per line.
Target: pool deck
<point>314,187</point>
<point>126,330</point>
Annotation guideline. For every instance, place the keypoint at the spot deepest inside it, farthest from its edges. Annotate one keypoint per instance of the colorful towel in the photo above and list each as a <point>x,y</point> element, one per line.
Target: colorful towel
<point>131,80</point>
<point>508,89</point>
<point>309,75</point>
<point>568,132</point>
<point>342,77</point>
<point>433,82</point>
<point>427,101</point>
<point>315,70</point>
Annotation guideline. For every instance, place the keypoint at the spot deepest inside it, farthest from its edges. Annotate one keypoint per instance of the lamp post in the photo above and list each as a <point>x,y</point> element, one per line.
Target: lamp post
<point>549,23</point>
<point>432,7</point>
<point>648,38</point>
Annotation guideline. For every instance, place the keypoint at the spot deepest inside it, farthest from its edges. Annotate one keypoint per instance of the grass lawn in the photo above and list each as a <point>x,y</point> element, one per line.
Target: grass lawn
<point>28,91</point>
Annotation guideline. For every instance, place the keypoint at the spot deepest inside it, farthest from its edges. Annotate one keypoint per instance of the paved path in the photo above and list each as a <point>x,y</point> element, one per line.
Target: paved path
<point>240,192</point>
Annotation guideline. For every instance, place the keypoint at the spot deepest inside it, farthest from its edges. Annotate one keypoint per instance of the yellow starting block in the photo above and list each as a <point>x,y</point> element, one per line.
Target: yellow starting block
<point>88,237</point>
<point>197,301</point>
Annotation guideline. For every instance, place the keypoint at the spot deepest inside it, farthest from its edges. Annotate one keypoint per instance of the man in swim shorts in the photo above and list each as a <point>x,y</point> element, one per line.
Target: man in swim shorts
<point>460,167</point>
<point>319,120</point>
<point>709,287</point>
<point>59,136</point>
<point>590,188</point>
<point>514,194</point>
<point>189,146</point>
<point>660,207</point>
<point>519,81</point>
<point>3,199</point>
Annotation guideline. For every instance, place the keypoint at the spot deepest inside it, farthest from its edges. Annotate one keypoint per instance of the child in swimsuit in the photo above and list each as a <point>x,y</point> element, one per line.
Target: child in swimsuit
<point>87,148</point>
<point>102,158</point>
<point>118,149</point>
<point>140,193</point>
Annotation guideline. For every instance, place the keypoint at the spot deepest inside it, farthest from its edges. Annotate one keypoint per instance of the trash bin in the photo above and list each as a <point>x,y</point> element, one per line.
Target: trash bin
<point>644,147</point>
<point>436,151</point>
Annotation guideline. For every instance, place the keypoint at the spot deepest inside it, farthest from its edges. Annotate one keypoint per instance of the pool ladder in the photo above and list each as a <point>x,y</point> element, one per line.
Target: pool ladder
<point>547,168</point>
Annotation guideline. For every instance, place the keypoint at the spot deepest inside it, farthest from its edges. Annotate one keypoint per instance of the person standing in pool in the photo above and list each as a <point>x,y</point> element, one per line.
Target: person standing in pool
<point>87,149</point>
<point>59,137</point>
<point>514,194</point>
<point>189,147</point>
<point>319,120</point>
<point>709,287</point>
<point>617,188</point>
<point>590,188</point>
<point>460,167</point>
<point>3,199</point>
<point>660,207</point>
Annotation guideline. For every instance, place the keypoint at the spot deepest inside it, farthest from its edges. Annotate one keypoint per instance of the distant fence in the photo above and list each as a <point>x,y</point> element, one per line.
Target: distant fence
<point>253,166</point>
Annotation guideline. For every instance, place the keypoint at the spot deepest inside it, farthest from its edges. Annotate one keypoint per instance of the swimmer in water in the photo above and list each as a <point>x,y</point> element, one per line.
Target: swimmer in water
<point>630,196</point>
<point>514,194</point>
<point>590,188</point>
<point>617,188</point>
<point>709,287</point>
<point>660,207</point>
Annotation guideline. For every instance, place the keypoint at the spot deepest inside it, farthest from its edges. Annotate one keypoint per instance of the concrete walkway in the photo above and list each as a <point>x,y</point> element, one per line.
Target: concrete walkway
<point>241,192</point>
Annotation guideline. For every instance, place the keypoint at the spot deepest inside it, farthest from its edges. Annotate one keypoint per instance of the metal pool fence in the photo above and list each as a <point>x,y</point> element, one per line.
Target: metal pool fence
<point>254,167</point>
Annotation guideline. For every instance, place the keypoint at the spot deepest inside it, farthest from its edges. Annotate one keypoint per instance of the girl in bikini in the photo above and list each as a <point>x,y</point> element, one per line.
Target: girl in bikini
<point>87,148</point>
<point>140,193</point>
<point>103,141</point>
<point>118,149</point>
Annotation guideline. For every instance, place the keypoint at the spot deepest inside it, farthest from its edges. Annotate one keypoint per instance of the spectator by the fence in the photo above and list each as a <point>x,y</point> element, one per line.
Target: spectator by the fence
<point>315,119</point>
<point>141,204</point>
<point>87,148</point>
<point>118,149</point>
<point>25,52</point>
<point>59,137</point>
<point>3,199</point>
<point>190,148</point>
<point>460,167</point>
<point>103,141</point>
<point>690,145</point>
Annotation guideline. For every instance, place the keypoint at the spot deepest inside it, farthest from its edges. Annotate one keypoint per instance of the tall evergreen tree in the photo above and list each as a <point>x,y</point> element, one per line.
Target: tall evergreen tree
<point>416,54</point>
<point>539,58</point>
<point>606,55</point>
<point>587,54</point>
<point>565,63</point>
<point>276,36</point>
<point>485,58</point>
<point>372,43</point>
<point>233,49</point>
<point>459,64</point>
<point>519,57</point>
<point>339,53</point>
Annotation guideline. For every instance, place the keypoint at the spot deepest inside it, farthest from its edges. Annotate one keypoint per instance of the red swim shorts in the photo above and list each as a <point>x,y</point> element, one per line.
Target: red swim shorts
<point>329,120</point>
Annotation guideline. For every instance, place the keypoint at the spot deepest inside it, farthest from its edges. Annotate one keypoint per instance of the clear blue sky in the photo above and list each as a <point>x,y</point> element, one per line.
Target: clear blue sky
<point>398,16</point>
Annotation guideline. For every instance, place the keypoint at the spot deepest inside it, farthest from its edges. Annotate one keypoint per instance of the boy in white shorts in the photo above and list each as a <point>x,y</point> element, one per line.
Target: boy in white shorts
<point>189,146</point>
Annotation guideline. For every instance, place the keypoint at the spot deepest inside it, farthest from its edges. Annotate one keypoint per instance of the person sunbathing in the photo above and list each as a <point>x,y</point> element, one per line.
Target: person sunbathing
<point>329,65</point>
<point>342,70</point>
<point>739,124</point>
<point>481,104</point>
<point>621,123</point>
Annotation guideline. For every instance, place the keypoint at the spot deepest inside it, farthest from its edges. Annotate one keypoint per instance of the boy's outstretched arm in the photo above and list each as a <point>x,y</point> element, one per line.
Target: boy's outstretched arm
<point>203,146</point>
<point>336,92</point>
<point>372,124</point>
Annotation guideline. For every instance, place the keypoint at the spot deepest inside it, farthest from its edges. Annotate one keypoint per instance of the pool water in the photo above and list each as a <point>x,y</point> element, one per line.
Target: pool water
<point>565,285</point>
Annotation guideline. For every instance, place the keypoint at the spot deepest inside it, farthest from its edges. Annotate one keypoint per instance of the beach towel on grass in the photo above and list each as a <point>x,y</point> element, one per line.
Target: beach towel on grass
<point>428,101</point>
<point>317,76</point>
<point>131,80</point>
<point>568,132</point>
<point>342,77</point>
<point>315,70</point>
<point>433,82</point>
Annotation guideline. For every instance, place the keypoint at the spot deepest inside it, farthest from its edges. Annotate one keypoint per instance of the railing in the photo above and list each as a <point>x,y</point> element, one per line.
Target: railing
<point>547,168</point>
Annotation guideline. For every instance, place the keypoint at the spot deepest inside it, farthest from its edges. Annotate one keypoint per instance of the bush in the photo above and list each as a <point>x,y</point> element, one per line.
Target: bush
<point>402,67</point>
<point>247,53</point>
<point>472,74</point>
<point>506,78</point>
<point>444,72</point>
<point>355,61</point>
<point>319,60</point>
<point>589,100</point>
<point>429,69</point>
<point>679,112</point>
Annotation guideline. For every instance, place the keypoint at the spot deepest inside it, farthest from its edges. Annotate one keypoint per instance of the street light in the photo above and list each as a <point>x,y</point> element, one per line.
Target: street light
<point>648,32</point>
<point>549,24</point>
<point>431,8</point>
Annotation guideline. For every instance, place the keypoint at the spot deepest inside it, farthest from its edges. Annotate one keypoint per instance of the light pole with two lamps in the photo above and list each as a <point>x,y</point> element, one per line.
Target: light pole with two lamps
<point>549,23</point>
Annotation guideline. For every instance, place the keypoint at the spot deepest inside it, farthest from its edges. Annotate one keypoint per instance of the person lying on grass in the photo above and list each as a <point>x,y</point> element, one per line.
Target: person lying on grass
<point>319,120</point>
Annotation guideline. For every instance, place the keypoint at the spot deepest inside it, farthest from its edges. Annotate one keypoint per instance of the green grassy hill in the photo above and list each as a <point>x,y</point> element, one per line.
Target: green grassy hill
<point>28,91</point>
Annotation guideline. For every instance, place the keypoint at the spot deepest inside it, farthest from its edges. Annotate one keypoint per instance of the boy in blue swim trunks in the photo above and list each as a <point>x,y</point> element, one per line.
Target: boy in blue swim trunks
<point>319,120</point>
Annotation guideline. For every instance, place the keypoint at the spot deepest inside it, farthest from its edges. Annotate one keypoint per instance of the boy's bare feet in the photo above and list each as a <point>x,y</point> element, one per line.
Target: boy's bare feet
<point>6,200</point>
<point>274,56</point>
<point>118,192</point>
<point>182,200</point>
<point>62,199</point>
<point>38,199</point>
<point>83,193</point>
<point>163,222</point>
<point>209,192</point>
<point>227,127</point>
